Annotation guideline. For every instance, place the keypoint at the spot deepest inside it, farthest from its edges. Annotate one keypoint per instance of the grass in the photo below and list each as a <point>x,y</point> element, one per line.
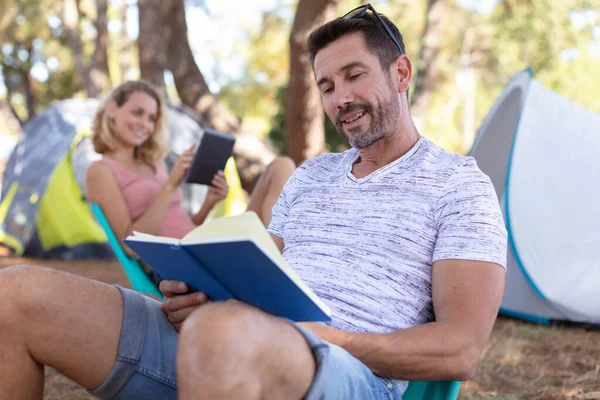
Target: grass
<point>533,362</point>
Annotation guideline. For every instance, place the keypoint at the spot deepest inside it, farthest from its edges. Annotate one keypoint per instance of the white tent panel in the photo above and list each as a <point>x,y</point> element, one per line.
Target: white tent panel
<point>554,200</point>
<point>492,145</point>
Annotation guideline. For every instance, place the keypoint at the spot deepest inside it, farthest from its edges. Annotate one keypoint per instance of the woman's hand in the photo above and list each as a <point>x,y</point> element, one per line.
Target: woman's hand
<point>180,168</point>
<point>219,190</point>
<point>178,305</point>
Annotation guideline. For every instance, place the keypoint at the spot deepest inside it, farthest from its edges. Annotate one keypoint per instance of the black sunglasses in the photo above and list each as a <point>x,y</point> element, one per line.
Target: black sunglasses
<point>360,12</point>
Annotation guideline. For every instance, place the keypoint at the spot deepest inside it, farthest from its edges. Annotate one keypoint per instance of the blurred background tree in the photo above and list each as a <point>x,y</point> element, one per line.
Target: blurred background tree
<point>463,51</point>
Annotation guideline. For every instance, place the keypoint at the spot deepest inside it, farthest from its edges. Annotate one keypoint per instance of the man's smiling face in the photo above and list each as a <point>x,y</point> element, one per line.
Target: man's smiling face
<point>358,96</point>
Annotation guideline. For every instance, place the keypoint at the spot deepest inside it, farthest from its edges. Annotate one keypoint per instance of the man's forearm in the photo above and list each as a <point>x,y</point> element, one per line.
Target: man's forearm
<point>434,351</point>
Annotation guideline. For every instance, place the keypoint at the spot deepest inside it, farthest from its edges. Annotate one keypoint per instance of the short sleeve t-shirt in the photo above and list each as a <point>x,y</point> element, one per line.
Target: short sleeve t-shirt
<point>366,246</point>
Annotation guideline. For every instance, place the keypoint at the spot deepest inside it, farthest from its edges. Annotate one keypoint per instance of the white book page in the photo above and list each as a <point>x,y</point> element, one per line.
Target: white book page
<point>145,237</point>
<point>242,225</point>
<point>248,226</point>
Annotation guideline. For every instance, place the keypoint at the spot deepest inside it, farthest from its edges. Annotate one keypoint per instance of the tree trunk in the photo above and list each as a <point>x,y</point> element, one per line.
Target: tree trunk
<point>427,60</point>
<point>304,117</point>
<point>467,83</point>
<point>10,115</point>
<point>250,154</point>
<point>99,74</point>
<point>29,97</point>
<point>150,42</point>
<point>11,89</point>
<point>71,24</point>
<point>126,46</point>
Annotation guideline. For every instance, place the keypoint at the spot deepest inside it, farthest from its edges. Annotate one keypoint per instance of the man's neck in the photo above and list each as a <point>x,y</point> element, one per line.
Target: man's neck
<point>385,150</point>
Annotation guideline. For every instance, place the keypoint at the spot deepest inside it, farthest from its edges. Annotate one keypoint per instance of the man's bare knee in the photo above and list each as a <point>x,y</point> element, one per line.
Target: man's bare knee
<point>33,293</point>
<point>18,272</point>
<point>21,286</point>
<point>216,327</point>
<point>221,341</point>
<point>62,320</point>
<point>213,356</point>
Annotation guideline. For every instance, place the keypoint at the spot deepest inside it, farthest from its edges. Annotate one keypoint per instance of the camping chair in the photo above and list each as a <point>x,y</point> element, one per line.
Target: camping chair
<point>432,390</point>
<point>132,267</point>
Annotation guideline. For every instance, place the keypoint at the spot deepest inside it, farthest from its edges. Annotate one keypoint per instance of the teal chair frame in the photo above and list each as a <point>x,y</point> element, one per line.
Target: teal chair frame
<point>132,267</point>
<point>432,390</point>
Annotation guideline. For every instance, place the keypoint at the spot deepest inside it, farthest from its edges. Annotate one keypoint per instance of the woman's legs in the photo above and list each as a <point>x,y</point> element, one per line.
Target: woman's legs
<point>269,187</point>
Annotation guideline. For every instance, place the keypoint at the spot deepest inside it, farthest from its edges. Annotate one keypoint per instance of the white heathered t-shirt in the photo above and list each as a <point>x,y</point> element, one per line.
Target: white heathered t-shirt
<point>366,246</point>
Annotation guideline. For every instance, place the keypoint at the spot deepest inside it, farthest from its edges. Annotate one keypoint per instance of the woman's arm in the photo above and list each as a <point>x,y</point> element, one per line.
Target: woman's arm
<point>215,194</point>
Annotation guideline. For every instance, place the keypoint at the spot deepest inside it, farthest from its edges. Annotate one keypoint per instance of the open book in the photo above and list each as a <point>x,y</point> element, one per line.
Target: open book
<point>233,258</point>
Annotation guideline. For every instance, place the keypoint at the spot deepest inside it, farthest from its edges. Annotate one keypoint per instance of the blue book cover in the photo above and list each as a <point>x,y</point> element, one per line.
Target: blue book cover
<point>233,258</point>
<point>172,262</point>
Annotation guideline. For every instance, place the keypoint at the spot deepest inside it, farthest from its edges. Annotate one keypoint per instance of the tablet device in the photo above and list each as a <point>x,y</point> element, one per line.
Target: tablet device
<point>211,156</point>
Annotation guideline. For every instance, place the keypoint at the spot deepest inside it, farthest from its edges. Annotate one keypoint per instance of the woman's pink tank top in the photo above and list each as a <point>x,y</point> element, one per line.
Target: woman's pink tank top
<point>139,192</point>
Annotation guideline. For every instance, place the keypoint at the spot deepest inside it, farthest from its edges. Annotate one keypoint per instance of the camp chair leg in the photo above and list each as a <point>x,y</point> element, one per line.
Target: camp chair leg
<point>432,390</point>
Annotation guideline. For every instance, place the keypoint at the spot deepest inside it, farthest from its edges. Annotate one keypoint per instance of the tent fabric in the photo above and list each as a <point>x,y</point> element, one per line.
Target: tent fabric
<point>542,153</point>
<point>554,199</point>
<point>43,142</point>
<point>235,202</point>
<point>64,217</point>
<point>5,237</point>
<point>46,172</point>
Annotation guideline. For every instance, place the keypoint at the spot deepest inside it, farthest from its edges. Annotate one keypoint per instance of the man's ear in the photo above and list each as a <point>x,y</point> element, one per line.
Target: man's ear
<point>403,69</point>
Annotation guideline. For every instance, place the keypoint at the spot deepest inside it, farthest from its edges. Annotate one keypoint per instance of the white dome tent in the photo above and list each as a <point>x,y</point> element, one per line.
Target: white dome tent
<point>542,153</point>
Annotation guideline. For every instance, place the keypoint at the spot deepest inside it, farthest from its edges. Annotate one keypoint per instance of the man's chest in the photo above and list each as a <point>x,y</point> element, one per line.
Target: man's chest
<point>384,216</point>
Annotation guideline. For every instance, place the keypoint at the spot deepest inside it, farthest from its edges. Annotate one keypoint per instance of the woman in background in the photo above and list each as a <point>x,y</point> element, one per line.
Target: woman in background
<point>131,183</point>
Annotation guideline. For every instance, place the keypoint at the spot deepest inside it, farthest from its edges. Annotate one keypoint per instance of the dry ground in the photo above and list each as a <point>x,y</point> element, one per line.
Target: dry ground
<point>522,361</point>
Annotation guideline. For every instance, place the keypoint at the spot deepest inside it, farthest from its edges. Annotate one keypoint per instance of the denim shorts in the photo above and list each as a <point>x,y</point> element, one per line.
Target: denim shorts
<point>145,367</point>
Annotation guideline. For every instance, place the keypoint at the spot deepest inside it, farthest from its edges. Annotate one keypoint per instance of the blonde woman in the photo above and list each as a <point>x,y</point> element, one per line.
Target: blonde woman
<point>131,183</point>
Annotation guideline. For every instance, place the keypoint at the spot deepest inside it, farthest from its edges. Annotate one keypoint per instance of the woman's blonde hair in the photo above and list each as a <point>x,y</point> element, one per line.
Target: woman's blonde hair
<point>103,136</point>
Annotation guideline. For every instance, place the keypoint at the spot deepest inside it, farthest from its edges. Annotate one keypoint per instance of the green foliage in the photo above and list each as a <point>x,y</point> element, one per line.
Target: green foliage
<point>585,88</point>
<point>32,38</point>
<point>516,35</point>
<point>333,140</point>
<point>277,132</point>
<point>253,97</point>
<point>546,35</point>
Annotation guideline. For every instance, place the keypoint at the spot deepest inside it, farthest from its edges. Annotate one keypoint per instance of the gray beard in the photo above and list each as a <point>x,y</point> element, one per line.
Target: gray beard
<point>381,118</point>
<point>362,140</point>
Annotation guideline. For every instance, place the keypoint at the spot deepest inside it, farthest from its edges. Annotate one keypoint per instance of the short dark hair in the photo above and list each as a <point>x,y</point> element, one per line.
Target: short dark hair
<point>373,31</point>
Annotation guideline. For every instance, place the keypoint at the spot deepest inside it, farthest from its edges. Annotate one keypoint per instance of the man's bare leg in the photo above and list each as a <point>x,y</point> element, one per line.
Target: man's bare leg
<point>269,187</point>
<point>57,319</point>
<point>231,350</point>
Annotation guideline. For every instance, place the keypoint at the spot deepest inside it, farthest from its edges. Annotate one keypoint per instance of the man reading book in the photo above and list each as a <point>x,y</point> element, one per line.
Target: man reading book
<point>404,242</point>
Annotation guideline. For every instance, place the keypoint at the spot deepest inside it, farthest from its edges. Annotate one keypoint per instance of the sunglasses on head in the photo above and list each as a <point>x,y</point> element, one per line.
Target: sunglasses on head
<point>360,12</point>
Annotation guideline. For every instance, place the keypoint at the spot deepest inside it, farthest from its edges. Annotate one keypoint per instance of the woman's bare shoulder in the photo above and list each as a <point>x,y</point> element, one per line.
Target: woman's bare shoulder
<point>99,169</point>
